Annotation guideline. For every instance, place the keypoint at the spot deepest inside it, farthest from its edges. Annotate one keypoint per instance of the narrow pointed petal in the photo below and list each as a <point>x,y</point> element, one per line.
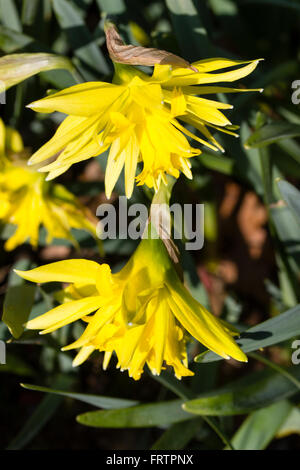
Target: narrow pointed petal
<point>70,129</point>
<point>115,163</point>
<point>72,270</point>
<point>202,325</point>
<point>131,160</point>
<point>83,355</point>
<point>64,314</point>
<point>184,77</point>
<point>85,99</point>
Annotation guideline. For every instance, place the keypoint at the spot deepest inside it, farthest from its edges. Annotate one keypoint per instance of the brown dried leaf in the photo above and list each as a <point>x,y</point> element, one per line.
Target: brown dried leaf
<point>137,55</point>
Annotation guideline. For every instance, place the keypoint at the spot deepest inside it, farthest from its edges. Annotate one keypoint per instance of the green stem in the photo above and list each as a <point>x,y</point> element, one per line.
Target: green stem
<point>222,436</point>
<point>186,394</point>
<point>164,193</point>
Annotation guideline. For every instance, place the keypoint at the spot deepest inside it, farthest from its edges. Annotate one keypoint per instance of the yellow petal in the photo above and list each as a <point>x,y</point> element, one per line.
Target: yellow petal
<point>131,159</point>
<point>178,103</point>
<point>202,325</point>
<point>184,77</point>
<point>83,355</point>
<point>213,90</point>
<point>2,137</point>
<point>84,99</point>
<point>193,136</point>
<point>64,314</point>
<point>70,129</point>
<point>71,270</point>
<point>14,142</point>
<point>115,163</point>
<point>209,65</point>
<point>101,317</point>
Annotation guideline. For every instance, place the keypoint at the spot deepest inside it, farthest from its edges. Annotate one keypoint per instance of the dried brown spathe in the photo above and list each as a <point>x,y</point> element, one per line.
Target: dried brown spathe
<point>137,55</point>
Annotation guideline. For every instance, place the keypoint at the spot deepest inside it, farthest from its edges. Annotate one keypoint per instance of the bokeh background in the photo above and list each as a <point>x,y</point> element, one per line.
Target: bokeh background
<point>247,271</point>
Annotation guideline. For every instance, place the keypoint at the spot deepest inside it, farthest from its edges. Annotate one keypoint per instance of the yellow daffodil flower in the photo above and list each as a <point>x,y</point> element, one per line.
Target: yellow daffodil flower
<point>28,201</point>
<point>143,313</point>
<point>137,117</point>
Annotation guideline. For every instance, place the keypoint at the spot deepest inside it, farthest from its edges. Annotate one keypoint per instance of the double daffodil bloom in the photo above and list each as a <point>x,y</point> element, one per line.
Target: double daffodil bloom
<point>137,117</point>
<point>28,201</point>
<point>143,313</point>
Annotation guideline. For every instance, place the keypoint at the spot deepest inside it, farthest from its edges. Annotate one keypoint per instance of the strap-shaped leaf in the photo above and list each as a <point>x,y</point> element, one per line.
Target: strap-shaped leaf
<point>291,195</point>
<point>95,400</point>
<point>142,416</point>
<point>291,424</point>
<point>260,427</point>
<point>178,435</point>
<point>272,133</point>
<point>9,15</point>
<point>15,68</point>
<point>245,395</point>
<point>69,17</point>
<point>189,28</point>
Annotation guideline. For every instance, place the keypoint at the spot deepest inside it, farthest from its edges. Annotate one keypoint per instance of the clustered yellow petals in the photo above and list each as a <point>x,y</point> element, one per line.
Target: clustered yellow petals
<point>143,314</point>
<point>29,202</point>
<point>137,119</point>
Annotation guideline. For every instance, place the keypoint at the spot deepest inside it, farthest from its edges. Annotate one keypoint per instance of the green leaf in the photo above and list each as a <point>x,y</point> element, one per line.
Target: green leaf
<point>272,133</point>
<point>70,20</point>
<point>18,301</point>
<point>142,416</point>
<point>291,195</point>
<point>183,392</point>
<point>29,11</point>
<point>244,396</point>
<point>267,176</point>
<point>178,435</point>
<point>276,367</point>
<point>11,41</point>
<point>40,417</point>
<point>291,147</point>
<point>291,424</point>
<point>9,15</point>
<point>287,282</point>
<point>260,427</point>
<point>223,7</point>
<point>59,78</point>
<point>288,231</point>
<point>190,31</point>
<point>248,161</point>
<point>16,68</point>
<point>272,331</point>
<point>117,7</point>
<point>95,400</point>
<point>217,163</point>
